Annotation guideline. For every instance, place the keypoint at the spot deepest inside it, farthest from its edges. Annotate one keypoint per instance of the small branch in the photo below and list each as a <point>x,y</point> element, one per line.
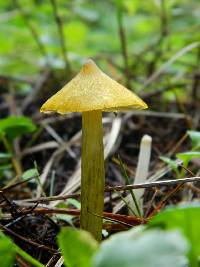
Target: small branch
<point>61,34</point>
<point>154,184</point>
<point>116,188</point>
<point>10,186</point>
<point>131,220</point>
<point>169,62</point>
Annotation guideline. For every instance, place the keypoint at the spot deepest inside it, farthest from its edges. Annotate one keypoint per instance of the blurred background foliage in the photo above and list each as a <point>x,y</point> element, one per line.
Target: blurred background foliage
<point>136,37</point>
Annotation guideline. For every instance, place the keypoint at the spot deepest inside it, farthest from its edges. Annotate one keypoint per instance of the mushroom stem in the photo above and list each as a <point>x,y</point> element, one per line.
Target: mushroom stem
<point>92,173</point>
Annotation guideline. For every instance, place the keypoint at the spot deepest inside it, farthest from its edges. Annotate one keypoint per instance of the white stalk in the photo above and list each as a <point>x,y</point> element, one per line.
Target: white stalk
<point>142,171</point>
<point>140,177</point>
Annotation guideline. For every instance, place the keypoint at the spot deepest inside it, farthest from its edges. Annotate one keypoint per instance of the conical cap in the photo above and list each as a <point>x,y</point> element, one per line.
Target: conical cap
<point>91,89</point>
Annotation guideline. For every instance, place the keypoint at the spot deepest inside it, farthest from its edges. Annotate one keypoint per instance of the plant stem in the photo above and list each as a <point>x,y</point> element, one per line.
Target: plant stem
<point>32,30</point>
<point>131,191</point>
<point>28,257</point>
<point>92,173</point>
<point>61,35</point>
<point>15,162</point>
<point>123,43</point>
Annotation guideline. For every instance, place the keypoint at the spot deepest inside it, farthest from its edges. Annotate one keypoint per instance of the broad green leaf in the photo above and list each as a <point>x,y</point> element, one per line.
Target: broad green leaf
<point>186,218</point>
<point>77,247</point>
<point>7,251</point>
<point>187,156</point>
<point>140,248</point>
<point>195,138</point>
<point>13,127</point>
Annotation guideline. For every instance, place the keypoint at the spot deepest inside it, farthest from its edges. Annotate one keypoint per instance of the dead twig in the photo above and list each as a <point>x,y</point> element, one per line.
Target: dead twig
<point>116,188</point>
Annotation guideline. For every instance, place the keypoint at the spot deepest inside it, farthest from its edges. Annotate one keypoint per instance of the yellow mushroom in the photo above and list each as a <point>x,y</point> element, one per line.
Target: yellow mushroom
<point>91,92</point>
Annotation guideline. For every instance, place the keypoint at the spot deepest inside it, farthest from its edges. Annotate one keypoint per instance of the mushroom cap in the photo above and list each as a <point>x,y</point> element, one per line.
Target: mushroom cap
<point>90,90</point>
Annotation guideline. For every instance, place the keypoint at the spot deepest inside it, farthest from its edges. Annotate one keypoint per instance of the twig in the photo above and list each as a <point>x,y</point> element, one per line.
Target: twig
<point>169,62</point>
<point>115,188</point>
<point>154,184</point>
<point>17,184</point>
<point>163,201</point>
<point>115,220</point>
<point>133,220</point>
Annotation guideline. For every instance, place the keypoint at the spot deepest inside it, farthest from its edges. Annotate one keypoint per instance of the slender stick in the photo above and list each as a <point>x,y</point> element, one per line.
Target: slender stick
<point>156,184</point>
<point>92,173</point>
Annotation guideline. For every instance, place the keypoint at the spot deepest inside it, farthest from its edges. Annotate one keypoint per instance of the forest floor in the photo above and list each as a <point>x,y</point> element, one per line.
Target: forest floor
<point>33,212</point>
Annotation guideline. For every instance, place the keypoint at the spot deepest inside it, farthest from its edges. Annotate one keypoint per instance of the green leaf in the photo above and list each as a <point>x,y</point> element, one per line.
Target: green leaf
<point>5,167</point>
<point>66,205</point>
<point>7,251</point>
<point>187,156</point>
<point>29,173</point>
<point>139,248</point>
<point>186,218</point>
<point>195,138</point>
<point>77,247</point>
<point>13,127</point>
<point>73,202</point>
<point>5,155</point>
<point>171,163</point>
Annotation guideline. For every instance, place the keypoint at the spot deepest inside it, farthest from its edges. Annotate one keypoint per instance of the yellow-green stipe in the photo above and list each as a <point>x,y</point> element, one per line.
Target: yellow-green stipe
<point>92,173</point>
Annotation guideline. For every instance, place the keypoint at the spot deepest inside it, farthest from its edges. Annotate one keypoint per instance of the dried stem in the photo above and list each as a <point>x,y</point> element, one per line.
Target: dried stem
<point>116,188</point>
